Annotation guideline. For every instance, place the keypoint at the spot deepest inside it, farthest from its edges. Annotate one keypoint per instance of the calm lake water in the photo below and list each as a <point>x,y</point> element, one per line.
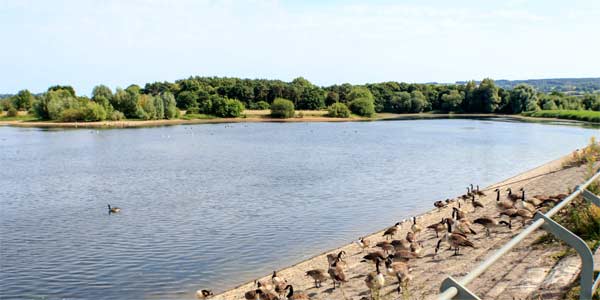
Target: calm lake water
<point>211,206</point>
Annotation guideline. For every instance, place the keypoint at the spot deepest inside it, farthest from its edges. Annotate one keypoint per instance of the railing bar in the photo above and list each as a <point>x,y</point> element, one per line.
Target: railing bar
<point>452,291</point>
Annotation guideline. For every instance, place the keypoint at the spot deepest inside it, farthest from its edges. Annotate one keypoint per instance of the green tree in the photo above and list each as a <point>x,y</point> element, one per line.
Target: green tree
<point>146,108</point>
<point>359,92</point>
<point>331,98</point>
<point>126,101</point>
<point>312,98</point>
<point>523,98</point>
<point>169,105</point>
<point>363,107</point>
<point>338,110</point>
<point>452,101</point>
<point>187,100</point>
<point>23,100</point>
<point>67,88</point>
<point>102,95</point>
<point>227,108</point>
<point>282,108</point>
<point>418,102</point>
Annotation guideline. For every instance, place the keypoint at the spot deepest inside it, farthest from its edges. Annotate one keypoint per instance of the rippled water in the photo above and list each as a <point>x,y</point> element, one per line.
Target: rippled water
<point>217,205</point>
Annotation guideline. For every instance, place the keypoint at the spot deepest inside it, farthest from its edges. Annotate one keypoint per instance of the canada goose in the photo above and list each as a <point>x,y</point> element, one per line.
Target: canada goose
<point>513,197</point>
<point>400,270</point>
<point>464,226</point>
<point>401,244</point>
<point>318,275</point>
<point>417,248</point>
<point>375,281</point>
<point>390,232</point>
<point>113,209</point>
<point>386,246</point>
<point>455,240</point>
<point>478,192</point>
<point>295,296</point>
<point>363,243</point>
<point>339,257</point>
<point>489,223</point>
<point>459,213</point>
<point>416,228</point>
<point>203,294</point>
<point>448,201</point>
<point>517,213</point>
<point>253,294</point>
<point>374,256</point>
<point>525,205</point>
<point>476,203</point>
<point>410,236</point>
<point>337,274</point>
<point>403,255</point>
<point>438,227</point>
<point>502,204</point>
<point>278,283</point>
<point>440,204</point>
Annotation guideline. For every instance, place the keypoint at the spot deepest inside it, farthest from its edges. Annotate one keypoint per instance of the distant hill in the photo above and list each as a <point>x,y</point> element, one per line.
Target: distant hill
<point>2,96</point>
<point>565,85</point>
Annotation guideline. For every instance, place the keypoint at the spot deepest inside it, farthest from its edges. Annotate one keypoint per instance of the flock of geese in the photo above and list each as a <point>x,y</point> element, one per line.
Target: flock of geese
<point>392,256</point>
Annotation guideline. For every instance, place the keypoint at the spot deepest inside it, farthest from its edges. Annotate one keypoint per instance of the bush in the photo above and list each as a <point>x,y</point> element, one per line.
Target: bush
<point>93,112</point>
<point>282,108</point>
<point>338,110</point>
<point>227,108</point>
<point>71,115</point>
<point>363,107</point>
<point>12,112</point>
<point>116,116</point>
<point>261,105</point>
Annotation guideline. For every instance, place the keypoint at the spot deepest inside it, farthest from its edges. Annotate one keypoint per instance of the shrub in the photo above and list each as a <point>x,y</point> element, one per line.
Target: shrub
<point>12,112</point>
<point>262,105</point>
<point>71,115</point>
<point>363,107</point>
<point>282,108</point>
<point>338,110</point>
<point>93,112</point>
<point>227,108</point>
<point>116,116</point>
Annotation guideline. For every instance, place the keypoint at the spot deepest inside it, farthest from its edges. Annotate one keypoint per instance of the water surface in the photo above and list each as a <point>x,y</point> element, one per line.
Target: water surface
<point>218,204</point>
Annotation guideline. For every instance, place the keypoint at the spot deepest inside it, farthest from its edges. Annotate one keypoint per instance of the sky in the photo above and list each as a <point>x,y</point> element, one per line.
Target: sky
<point>121,42</point>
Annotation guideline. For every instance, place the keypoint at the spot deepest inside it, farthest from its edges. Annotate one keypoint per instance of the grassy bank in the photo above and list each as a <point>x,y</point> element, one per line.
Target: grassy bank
<point>579,115</point>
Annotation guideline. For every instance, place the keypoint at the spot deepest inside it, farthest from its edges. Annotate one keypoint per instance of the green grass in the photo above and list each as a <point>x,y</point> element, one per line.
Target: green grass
<point>24,118</point>
<point>197,116</point>
<point>580,115</point>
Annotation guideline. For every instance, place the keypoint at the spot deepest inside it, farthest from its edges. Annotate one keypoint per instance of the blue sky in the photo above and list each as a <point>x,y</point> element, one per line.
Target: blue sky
<point>85,43</point>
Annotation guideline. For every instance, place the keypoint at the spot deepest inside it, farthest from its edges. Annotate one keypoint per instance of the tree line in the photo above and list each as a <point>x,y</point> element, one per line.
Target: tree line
<point>228,97</point>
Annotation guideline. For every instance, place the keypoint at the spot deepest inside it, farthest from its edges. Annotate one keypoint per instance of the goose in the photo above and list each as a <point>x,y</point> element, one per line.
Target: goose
<point>517,213</point>
<point>295,295</point>
<point>203,294</point>
<point>525,205</point>
<point>438,227</point>
<point>458,214</point>
<point>363,243</point>
<point>374,256</point>
<point>401,244</point>
<point>390,232</point>
<point>476,203</point>
<point>417,248</point>
<point>337,274</point>
<point>278,283</point>
<point>455,240</point>
<point>502,204</point>
<point>512,196</point>
<point>255,293</point>
<point>113,209</point>
<point>339,257</point>
<point>448,201</point>
<point>318,275</point>
<point>464,226</point>
<point>403,255</point>
<point>478,192</point>
<point>489,223</point>
<point>416,228</point>
<point>375,280</point>
<point>400,270</point>
<point>385,246</point>
<point>440,204</point>
<point>410,236</point>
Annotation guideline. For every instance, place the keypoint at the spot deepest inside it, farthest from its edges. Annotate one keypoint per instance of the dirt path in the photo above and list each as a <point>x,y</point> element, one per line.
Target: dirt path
<point>517,276</point>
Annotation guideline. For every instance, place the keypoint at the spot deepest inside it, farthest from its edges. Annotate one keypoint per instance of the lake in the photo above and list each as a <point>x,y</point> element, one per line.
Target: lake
<point>215,205</point>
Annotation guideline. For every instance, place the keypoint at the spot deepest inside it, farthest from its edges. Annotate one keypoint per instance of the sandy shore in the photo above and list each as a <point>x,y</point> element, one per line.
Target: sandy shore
<point>253,116</point>
<point>519,275</point>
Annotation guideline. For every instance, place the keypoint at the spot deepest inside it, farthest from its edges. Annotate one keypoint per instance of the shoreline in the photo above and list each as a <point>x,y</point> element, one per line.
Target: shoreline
<point>424,219</point>
<point>264,118</point>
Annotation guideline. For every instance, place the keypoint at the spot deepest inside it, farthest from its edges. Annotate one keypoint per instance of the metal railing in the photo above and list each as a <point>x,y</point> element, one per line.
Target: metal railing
<point>455,289</point>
